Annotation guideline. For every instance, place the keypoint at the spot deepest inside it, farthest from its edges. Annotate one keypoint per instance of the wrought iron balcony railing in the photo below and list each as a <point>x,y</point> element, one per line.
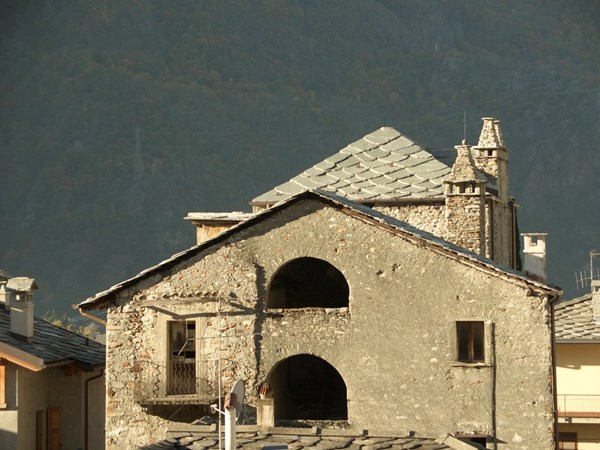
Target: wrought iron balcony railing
<point>176,381</point>
<point>578,405</point>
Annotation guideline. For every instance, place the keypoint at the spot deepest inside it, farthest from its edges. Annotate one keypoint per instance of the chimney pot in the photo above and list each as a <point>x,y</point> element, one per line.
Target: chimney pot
<point>20,290</point>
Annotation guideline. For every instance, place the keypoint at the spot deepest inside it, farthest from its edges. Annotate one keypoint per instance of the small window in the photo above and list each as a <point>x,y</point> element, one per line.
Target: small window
<point>470,341</point>
<point>182,341</point>
<point>567,441</point>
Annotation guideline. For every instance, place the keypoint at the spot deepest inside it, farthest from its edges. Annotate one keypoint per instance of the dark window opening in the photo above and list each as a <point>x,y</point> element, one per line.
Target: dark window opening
<point>470,338</point>
<point>308,282</point>
<point>182,358</point>
<point>477,441</point>
<point>567,441</point>
<point>307,387</point>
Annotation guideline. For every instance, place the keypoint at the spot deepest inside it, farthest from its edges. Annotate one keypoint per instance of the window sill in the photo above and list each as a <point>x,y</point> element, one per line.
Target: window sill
<point>477,365</point>
<point>3,405</point>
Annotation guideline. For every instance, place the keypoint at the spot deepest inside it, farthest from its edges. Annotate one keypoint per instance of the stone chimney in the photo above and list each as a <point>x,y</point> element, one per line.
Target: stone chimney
<point>534,256</point>
<point>491,155</point>
<point>596,300</point>
<point>209,225</point>
<point>20,290</point>
<point>465,208</point>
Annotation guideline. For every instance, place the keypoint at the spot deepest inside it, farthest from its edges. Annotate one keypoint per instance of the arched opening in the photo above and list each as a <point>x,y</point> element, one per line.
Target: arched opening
<point>308,387</point>
<point>308,282</point>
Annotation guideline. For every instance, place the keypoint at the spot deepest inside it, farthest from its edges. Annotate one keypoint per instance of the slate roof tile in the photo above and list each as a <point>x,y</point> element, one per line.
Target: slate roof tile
<point>361,145</point>
<point>246,441</point>
<point>384,151</point>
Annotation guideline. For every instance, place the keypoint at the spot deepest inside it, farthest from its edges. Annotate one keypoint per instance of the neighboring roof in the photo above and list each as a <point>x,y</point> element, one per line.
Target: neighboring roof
<point>382,166</point>
<point>574,321</point>
<point>51,345</point>
<point>296,441</point>
<point>376,218</point>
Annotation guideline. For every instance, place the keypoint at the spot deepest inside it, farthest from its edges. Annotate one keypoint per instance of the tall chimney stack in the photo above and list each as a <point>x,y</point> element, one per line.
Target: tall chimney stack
<point>20,290</point>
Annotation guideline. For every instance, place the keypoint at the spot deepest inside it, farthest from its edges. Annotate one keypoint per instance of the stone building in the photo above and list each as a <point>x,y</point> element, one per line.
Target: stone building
<point>387,307</point>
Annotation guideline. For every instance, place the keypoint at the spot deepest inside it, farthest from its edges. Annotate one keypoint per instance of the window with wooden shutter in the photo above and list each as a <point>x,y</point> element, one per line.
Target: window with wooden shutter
<point>2,385</point>
<point>53,429</point>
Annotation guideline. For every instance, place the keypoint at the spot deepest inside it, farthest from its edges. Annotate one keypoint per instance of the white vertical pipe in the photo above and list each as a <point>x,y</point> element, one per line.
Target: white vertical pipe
<point>230,416</point>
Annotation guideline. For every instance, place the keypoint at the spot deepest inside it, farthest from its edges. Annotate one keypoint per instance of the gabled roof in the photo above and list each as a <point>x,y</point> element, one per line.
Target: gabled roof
<point>382,166</point>
<point>50,346</point>
<point>574,321</point>
<point>375,218</point>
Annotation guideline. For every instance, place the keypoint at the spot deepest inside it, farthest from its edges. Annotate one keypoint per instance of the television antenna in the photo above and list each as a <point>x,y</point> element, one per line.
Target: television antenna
<point>583,278</point>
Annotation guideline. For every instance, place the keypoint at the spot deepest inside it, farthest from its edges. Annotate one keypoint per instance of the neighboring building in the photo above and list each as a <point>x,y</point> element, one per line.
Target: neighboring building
<point>577,332</point>
<point>354,318</point>
<point>51,380</point>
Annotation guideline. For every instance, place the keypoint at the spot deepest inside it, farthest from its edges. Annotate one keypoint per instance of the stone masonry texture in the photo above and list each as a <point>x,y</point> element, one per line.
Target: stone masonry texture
<point>393,345</point>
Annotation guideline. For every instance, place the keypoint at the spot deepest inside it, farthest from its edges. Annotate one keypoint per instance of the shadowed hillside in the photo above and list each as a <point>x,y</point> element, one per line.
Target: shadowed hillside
<point>117,118</point>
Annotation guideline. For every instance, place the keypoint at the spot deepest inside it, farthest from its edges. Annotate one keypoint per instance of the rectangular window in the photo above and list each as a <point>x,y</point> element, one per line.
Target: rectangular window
<point>182,358</point>
<point>470,341</point>
<point>567,441</point>
<point>182,341</point>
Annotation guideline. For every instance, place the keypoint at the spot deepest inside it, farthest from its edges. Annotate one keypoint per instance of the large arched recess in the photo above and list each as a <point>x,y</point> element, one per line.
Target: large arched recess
<point>308,282</point>
<point>308,387</point>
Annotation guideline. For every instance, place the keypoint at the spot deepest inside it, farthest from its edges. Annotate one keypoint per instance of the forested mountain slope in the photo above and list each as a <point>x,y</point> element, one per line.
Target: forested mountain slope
<point>117,118</point>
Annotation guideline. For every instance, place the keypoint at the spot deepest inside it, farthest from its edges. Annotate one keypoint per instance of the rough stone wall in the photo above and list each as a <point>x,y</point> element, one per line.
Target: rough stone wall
<point>424,216</point>
<point>465,222</point>
<point>393,346</point>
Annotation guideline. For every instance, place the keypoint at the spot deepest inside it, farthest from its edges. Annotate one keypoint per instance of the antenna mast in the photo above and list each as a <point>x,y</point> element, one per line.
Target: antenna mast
<point>583,279</point>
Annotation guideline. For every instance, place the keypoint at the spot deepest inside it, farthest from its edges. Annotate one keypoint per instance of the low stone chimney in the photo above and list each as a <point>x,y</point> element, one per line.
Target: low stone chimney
<point>534,256</point>
<point>596,300</point>
<point>208,225</point>
<point>20,292</point>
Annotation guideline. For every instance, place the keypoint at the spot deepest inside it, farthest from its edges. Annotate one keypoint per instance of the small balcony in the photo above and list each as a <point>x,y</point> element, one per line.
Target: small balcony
<point>578,406</point>
<point>173,382</point>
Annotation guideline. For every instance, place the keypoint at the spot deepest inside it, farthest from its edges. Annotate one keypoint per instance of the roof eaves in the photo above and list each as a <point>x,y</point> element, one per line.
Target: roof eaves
<point>577,341</point>
<point>21,358</point>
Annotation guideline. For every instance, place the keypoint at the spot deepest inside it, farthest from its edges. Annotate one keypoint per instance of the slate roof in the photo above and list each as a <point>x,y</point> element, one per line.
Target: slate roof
<point>276,440</point>
<point>54,345</point>
<point>104,298</point>
<point>382,166</point>
<point>574,321</point>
